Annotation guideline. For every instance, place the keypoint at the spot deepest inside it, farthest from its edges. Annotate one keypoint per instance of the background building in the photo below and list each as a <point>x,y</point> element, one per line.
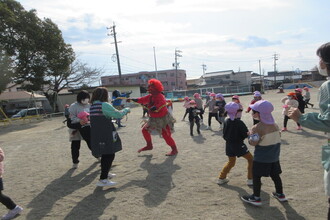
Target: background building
<point>171,79</point>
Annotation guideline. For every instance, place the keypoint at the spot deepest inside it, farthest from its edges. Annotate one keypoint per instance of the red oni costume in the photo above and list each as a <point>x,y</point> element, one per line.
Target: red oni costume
<point>159,119</point>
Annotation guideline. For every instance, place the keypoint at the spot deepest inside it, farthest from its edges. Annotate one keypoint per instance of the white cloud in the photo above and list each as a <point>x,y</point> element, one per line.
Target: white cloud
<point>200,28</point>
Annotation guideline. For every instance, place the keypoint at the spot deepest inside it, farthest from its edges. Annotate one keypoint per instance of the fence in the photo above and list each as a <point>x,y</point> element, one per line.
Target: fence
<point>226,91</point>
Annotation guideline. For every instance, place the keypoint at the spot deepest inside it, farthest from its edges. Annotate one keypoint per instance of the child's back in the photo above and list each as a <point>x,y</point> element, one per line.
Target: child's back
<point>234,131</point>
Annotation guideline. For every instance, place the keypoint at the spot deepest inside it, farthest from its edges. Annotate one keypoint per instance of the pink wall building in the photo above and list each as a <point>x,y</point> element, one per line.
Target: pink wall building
<point>171,81</point>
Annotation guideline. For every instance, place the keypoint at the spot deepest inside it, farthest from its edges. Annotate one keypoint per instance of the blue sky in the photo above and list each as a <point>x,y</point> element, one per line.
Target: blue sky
<point>222,34</point>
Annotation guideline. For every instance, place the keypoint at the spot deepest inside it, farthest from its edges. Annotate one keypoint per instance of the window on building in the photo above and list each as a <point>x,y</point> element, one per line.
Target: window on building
<point>126,78</point>
<point>172,74</point>
<point>227,77</point>
<point>173,83</point>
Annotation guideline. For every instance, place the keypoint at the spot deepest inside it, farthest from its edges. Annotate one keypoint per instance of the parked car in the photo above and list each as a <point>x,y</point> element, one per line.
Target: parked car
<point>29,112</point>
<point>12,112</point>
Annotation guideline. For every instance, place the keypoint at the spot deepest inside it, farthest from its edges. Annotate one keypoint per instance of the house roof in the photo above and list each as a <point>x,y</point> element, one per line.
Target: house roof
<point>219,73</point>
<point>19,95</point>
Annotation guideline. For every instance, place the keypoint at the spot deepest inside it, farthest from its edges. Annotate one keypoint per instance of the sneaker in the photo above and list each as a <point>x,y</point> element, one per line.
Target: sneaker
<point>284,129</point>
<point>249,182</point>
<point>111,175</point>
<point>222,181</point>
<point>252,200</point>
<point>13,213</point>
<point>105,182</point>
<point>280,197</point>
<point>75,165</point>
<point>299,128</point>
<point>208,128</point>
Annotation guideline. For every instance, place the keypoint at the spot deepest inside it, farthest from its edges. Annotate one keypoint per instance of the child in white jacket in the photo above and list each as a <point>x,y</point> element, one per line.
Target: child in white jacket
<point>289,101</point>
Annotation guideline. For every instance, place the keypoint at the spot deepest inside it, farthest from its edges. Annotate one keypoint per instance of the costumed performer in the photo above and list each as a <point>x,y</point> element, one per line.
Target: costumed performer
<point>160,119</point>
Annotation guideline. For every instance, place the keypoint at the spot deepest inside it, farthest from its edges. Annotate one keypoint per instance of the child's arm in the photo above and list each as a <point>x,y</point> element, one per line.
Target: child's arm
<point>2,155</point>
<point>254,138</point>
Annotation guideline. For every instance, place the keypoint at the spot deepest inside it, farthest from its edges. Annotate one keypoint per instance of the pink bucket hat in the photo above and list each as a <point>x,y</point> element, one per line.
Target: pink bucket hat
<point>265,109</point>
<point>212,94</point>
<point>231,109</point>
<point>257,94</point>
<point>298,90</point>
<point>192,102</point>
<point>186,98</point>
<point>197,95</point>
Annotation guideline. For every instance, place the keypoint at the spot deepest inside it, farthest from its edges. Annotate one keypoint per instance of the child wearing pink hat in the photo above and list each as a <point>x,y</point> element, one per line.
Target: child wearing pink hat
<point>300,100</point>
<point>193,113</point>
<point>235,98</point>
<point>234,132</point>
<point>213,110</point>
<point>199,104</point>
<point>289,101</point>
<point>256,97</point>
<point>221,103</point>
<point>307,97</point>
<point>266,161</point>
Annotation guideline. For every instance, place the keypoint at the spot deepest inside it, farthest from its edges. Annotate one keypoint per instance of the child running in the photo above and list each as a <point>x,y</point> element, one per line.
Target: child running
<point>199,103</point>
<point>193,113</point>
<point>14,209</point>
<point>289,101</point>
<point>221,108</point>
<point>256,97</point>
<point>266,138</point>
<point>307,97</point>
<point>213,110</point>
<point>234,132</point>
<point>235,98</point>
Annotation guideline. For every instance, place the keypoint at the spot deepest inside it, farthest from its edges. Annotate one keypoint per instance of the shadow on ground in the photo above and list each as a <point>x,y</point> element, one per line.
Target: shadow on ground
<point>158,182</point>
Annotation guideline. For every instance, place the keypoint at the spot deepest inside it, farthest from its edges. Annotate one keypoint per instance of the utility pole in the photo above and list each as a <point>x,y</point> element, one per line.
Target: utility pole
<point>113,33</point>
<point>155,63</point>
<point>176,64</point>
<point>261,80</point>
<point>275,56</point>
<point>204,69</point>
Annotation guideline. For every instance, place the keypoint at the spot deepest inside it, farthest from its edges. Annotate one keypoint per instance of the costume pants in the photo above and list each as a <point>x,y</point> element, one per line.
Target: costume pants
<point>166,134</point>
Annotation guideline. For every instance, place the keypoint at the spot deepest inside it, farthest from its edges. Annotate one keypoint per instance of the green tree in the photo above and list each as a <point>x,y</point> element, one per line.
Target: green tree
<point>6,70</point>
<point>36,45</point>
<point>41,56</point>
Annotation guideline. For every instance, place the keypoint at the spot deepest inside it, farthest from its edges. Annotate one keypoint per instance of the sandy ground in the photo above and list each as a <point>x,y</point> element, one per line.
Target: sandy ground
<point>39,177</point>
